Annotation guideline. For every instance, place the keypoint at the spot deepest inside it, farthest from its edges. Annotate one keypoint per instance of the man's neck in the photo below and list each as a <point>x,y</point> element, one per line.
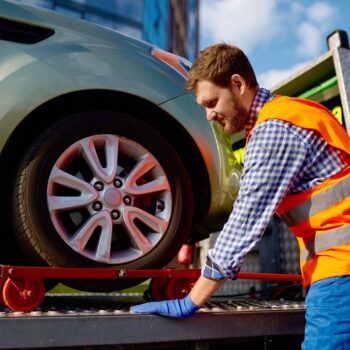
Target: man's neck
<point>260,98</point>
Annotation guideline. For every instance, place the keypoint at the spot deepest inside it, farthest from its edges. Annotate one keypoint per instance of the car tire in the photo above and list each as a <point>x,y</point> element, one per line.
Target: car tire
<point>146,233</point>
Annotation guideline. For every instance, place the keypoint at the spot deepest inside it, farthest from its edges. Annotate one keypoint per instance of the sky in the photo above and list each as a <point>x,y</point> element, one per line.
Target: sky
<point>279,37</point>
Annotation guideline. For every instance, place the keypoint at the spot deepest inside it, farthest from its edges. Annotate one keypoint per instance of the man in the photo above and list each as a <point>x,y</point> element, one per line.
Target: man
<point>297,164</point>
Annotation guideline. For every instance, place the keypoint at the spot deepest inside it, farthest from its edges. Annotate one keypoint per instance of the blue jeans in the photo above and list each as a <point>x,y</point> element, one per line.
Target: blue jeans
<point>328,315</point>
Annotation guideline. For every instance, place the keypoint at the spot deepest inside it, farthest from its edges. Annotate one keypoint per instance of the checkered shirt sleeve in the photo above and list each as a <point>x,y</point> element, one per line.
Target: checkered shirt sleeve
<point>280,158</point>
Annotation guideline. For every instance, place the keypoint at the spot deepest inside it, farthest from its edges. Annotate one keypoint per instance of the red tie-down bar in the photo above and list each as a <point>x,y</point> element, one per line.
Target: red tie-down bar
<point>22,288</point>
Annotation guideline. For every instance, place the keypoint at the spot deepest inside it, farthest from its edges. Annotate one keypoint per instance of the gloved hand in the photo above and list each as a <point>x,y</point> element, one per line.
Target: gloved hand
<point>179,308</point>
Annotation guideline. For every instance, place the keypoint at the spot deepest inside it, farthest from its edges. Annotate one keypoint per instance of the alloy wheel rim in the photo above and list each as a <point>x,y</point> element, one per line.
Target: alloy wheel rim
<point>109,199</point>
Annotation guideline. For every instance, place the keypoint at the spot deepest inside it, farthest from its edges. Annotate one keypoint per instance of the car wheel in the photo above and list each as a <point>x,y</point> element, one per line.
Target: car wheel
<point>102,189</point>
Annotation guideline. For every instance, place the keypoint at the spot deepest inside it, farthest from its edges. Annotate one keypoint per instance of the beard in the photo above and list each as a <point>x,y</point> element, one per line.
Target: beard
<point>238,118</point>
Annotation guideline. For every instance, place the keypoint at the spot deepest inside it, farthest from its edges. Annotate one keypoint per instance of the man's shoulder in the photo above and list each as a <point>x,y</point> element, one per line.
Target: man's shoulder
<point>276,130</point>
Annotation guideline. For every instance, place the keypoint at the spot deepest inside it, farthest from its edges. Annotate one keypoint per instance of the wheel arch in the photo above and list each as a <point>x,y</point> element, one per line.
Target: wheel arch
<point>53,110</point>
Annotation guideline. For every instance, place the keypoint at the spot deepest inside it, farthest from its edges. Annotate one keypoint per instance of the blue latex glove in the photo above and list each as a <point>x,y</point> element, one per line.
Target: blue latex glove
<point>179,308</point>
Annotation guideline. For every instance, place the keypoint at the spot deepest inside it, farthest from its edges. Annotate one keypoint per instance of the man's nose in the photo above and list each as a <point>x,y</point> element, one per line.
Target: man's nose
<point>211,115</point>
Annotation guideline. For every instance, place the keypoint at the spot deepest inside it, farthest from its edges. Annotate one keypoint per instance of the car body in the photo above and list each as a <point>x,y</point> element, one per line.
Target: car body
<point>106,159</point>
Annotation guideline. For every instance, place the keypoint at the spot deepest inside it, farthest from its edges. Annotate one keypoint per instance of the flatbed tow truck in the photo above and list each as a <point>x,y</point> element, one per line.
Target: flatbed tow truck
<point>53,321</point>
<point>30,319</point>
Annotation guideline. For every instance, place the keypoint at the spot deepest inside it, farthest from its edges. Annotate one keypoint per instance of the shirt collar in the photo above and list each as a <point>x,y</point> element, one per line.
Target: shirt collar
<point>262,96</point>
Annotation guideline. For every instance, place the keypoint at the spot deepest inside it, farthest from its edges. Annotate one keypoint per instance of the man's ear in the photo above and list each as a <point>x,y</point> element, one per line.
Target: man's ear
<point>237,82</point>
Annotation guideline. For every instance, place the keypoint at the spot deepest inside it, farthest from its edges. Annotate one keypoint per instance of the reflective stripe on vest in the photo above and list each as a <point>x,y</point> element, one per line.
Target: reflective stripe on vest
<point>323,241</point>
<point>317,203</point>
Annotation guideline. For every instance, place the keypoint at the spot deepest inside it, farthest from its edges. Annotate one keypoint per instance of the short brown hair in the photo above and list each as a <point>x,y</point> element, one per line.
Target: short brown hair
<point>217,63</point>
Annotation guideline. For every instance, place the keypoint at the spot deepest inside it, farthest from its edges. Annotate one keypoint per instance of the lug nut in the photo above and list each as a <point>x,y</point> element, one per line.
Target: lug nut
<point>98,186</point>
<point>118,183</point>
<point>160,205</point>
<point>115,214</point>
<point>127,200</point>
<point>97,206</point>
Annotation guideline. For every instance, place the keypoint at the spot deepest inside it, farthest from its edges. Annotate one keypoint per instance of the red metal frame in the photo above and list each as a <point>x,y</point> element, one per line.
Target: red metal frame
<point>8,271</point>
<point>21,287</point>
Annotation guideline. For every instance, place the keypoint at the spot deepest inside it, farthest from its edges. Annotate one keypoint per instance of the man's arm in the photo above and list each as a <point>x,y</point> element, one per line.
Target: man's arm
<point>273,159</point>
<point>204,289</point>
<point>273,162</point>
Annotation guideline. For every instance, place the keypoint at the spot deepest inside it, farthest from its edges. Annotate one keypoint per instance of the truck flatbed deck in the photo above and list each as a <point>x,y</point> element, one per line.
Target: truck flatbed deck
<point>104,320</point>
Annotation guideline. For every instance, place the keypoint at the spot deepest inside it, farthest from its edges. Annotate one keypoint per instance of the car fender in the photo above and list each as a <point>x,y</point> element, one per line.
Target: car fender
<point>224,171</point>
<point>28,81</point>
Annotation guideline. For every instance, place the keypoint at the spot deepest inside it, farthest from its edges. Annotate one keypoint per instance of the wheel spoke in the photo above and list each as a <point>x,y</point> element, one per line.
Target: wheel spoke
<point>66,203</point>
<point>103,252</point>
<point>60,177</point>
<point>111,146</point>
<point>80,239</point>
<point>158,185</point>
<point>137,237</point>
<point>141,168</point>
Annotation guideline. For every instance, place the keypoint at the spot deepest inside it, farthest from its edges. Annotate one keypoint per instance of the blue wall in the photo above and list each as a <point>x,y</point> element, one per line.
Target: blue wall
<point>156,22</point>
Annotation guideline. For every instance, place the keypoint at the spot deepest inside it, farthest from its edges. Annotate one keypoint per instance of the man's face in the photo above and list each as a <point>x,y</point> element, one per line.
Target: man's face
<point>224,105</point>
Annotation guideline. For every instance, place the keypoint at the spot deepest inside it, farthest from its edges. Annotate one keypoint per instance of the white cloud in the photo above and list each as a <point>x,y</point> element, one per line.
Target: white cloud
<point>245,23</point>
<point>321,12</point>
<point>254,23</point>
<point>275,76</point>
<point>317,20</point>
<point>310,40</point>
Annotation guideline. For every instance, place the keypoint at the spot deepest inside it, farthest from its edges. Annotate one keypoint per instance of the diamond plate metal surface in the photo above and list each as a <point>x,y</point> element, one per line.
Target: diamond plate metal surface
<point>289,250</point>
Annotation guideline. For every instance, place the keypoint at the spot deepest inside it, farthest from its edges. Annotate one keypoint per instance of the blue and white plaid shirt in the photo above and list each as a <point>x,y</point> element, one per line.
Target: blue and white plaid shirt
<point>280,158</point>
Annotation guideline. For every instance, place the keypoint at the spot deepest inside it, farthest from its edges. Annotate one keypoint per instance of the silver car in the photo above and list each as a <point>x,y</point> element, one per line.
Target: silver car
<point>106,160</point>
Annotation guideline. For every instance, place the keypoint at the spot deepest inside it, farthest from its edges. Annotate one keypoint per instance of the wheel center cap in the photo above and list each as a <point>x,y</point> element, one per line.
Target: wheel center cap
<point>113,198</point>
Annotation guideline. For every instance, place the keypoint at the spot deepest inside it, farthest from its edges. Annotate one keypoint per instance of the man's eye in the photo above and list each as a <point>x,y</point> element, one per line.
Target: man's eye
<point>211,104</point>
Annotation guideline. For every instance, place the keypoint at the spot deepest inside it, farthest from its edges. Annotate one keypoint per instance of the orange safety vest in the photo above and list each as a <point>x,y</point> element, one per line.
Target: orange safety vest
<point>318,217</point>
